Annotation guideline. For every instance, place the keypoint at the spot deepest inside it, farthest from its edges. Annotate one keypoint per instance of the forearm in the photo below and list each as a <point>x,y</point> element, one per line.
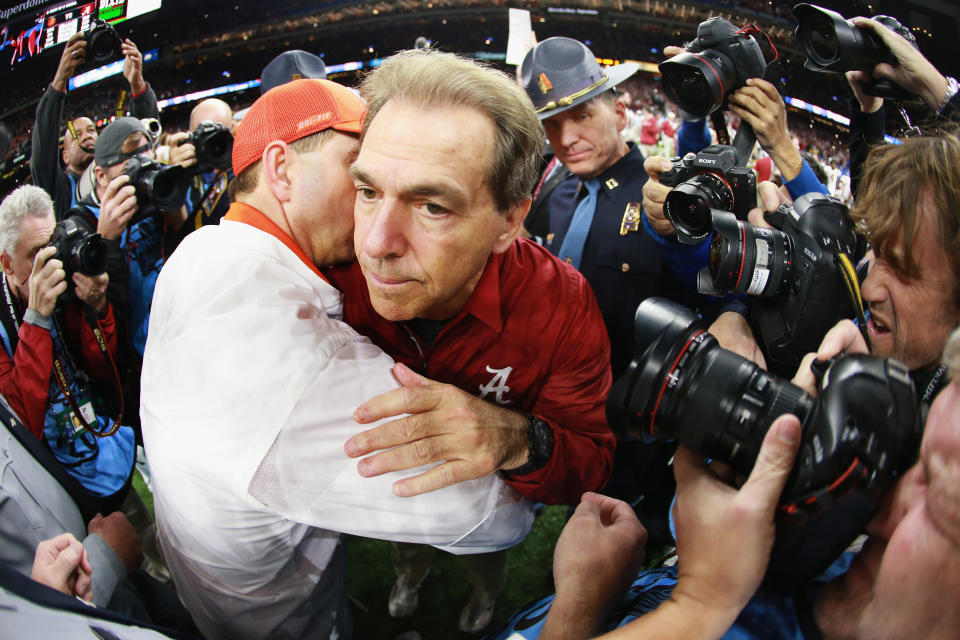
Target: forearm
<point>684,260</point>
<point>692,137</point>
<point>804,181</point>
<point>44,166</point>
<point>678,618</point>
<point>787,158</point>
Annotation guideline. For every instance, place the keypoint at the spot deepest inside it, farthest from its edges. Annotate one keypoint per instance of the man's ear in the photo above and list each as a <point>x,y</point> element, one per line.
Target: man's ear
<point>276,159</point>
<point>621,112</point>
<point>512,223</point>
<point>101,176</point>
<point>7,263</point>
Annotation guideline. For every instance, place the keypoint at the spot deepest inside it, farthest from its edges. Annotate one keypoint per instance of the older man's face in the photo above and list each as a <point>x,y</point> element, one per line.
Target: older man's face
<point>906,581</point>
<point>426,221</point>
<point>35,234</point>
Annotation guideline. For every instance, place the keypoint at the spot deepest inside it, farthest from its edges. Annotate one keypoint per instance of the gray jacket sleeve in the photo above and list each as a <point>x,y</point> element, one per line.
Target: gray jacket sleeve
<point>108,569</point>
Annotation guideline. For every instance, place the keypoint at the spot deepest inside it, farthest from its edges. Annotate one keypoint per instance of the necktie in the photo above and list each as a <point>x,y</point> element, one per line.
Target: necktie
<point>572,248</point>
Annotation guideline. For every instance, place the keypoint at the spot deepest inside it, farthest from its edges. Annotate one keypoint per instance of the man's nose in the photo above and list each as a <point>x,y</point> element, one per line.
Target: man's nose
<point>381,233</point>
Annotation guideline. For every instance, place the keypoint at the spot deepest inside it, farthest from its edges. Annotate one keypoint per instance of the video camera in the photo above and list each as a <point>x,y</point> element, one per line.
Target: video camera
<point>702,182</point>
<point>159,187</point>
<point>800,274</point>
<point>859,434</point>
<point>103,43</point>
<point>214,146</point>
<point>833,44</point>
<point>79,246</point>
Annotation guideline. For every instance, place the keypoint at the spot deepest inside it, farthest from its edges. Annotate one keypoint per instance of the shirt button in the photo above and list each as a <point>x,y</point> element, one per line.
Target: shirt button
<point>625,267</point>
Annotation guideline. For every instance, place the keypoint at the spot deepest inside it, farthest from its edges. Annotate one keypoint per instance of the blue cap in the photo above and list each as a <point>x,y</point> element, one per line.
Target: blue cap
<point>291,65</point>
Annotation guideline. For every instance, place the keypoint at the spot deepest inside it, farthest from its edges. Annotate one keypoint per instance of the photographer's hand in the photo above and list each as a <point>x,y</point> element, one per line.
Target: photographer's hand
<point>843,339</point>
<point>771,197</point>
<point>472,438</point>
<point>868,103</point>
<point>733,333</point>
<point>117,207</point>
<point>133,67</point>
<point>74,54</point>
<point>182,153</point>
<point>759,104</point>
<point>48,281</point>
<point>913,72</point>
<point>596,558</point>
<point>654,195</point>
<point>92,290</point>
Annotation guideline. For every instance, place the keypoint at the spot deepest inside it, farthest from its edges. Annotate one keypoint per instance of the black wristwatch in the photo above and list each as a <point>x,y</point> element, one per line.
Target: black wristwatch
<point>540,443</point>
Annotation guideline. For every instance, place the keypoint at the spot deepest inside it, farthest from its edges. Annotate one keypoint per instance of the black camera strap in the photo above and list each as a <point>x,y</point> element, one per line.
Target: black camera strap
<point>10,319</point>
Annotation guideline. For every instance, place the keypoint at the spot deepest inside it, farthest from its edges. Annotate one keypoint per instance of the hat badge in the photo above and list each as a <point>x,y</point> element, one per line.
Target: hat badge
<point>544,82</point>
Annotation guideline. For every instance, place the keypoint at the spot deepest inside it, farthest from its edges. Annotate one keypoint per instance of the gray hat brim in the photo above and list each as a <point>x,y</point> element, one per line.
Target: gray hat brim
<point>615,75</point>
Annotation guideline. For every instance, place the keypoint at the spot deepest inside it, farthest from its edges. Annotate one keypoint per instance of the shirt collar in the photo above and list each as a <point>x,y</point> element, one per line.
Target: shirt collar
<point>484,303</point>
<point>241,212</point>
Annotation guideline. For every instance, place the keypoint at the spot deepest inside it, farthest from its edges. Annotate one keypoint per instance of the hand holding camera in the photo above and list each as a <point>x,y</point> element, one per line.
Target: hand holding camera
<point>47,282</point>
<point>118,206</point>
<point>654,194</point>
<point>74,54</point>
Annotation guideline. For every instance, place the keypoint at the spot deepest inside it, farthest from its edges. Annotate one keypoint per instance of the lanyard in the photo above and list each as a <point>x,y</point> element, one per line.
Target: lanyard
<point>60,369</point>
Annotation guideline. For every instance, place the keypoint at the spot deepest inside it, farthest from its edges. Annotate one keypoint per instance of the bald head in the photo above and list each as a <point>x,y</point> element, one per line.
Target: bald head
<point>213,109</point>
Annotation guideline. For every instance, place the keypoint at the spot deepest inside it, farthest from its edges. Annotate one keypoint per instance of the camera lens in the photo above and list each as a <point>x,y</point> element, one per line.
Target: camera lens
<point>823,40</point>
<point>748,259</point>
<point>90,255</point>
<point>698,83</point>
<point>688,205</point>
<point>685,387</point>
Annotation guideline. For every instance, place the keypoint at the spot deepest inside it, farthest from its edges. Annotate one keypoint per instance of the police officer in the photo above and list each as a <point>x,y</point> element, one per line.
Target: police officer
<point>588,211</point>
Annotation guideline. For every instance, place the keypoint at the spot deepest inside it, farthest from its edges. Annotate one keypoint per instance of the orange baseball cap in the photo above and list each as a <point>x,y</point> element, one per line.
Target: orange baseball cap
<point>292,111</point>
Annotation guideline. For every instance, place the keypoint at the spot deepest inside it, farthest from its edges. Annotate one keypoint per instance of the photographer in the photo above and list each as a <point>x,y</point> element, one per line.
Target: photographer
<point>903,583</point>
<point>207,198</point>
<point>135,249</point>
<point>79,138</point>
<point>910,206</point>
<point>914,73</point>
<point>56,369</point>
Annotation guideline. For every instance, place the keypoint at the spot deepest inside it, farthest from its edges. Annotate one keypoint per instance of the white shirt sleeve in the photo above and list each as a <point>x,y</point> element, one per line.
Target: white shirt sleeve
<point>307,477</point>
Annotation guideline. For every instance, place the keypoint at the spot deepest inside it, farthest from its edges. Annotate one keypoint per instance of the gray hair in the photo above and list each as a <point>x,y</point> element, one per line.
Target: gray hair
<point>432,78</point>
<point>26,201</point>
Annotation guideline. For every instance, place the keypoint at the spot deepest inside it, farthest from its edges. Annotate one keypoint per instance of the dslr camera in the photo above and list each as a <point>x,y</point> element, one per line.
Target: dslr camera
<point>79,246</point>
<point>103,43</point>
<point>859,434</point>
<point>715,64</point>
<point>214,146</point>
<point>159,187</point>
<point>704,181</point>
<point>793,273</point>
<point>833,44</point>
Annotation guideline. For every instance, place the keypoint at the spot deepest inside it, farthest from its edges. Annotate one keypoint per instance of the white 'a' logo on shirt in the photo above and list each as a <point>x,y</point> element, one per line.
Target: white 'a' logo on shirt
<point>497,385</point>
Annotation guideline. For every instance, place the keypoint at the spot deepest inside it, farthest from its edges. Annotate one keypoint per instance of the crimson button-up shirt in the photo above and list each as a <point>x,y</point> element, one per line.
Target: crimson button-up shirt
<point>530,338</point>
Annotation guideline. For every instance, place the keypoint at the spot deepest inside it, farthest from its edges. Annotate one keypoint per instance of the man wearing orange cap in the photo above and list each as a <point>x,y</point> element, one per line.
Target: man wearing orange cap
<point>250,381</point>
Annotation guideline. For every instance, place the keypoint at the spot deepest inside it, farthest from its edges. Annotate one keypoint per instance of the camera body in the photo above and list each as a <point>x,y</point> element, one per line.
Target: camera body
<point>715,64</point>
<point>702,182</point>
<point>159,187</point>
<point>833,44</point>
<point>858,436</point>
<point>103,43</point>
<point>79,246</point>
<point>214,146</point>
<point>791,273</point>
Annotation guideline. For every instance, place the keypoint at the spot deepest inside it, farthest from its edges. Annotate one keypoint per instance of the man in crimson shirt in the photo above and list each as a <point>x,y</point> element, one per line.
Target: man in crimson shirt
<point>449,157</point>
